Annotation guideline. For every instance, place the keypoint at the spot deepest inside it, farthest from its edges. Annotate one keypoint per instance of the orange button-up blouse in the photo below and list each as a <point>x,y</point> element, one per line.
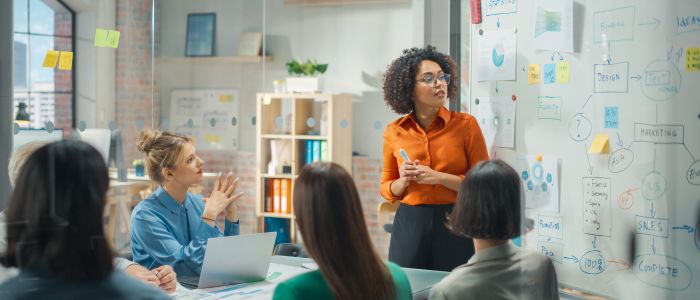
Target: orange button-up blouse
<point>452,144</point>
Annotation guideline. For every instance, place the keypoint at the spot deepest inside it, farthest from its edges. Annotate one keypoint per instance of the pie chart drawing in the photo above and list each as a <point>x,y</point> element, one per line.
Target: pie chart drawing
<point>497,55</point>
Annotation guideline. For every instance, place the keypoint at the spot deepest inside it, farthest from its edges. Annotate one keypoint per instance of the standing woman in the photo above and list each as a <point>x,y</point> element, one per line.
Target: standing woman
<point>171,226</point>
<point>426,154</point>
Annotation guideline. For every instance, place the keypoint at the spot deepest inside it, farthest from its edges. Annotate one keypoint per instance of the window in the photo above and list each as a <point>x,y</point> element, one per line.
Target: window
<point>40,26</point>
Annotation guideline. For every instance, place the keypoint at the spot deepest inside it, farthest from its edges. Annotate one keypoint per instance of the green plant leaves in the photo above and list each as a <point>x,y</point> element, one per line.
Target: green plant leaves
<point>308,68</point>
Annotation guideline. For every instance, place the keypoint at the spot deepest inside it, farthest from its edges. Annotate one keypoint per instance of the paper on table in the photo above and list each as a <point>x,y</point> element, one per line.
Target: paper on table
<point>497,55</point>
<point>496,117</point>
<point>553,25</point>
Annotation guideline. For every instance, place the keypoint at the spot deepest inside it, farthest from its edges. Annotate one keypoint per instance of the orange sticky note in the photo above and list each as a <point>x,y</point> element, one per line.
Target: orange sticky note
<point>600,144</point>
<point>51,59</point>
<point>533,73</point>
<point>66,61</point>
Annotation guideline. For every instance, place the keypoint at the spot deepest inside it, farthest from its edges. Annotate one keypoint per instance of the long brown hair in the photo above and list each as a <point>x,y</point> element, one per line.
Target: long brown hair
<point>163,150</point>
<point>54,218</point>
<point>330,218</point>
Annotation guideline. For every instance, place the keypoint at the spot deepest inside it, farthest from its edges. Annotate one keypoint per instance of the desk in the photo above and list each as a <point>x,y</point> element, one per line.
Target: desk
<point>285,267</point>
<point>421,280</point>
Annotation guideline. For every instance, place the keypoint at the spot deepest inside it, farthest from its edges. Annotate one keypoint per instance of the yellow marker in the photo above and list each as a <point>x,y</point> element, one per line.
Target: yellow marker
<point>51,59</point>
<point>539,158</point>
<point>101,37</point>
<point>600,144</point>
<point>113,39</point>
<point>533,73</point>
<point>563,72</point>
<point>692,59</point>
<point>66,61</point>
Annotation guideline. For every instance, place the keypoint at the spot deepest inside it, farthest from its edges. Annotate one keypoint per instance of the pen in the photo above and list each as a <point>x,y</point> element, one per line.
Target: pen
<point>404,155</point>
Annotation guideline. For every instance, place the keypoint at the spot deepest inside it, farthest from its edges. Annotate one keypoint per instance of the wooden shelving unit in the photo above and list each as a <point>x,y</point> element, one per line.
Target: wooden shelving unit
<point>299,118</point>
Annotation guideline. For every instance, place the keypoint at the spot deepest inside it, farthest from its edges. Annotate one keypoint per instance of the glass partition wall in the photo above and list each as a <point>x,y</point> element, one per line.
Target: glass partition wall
<point>213,70</point>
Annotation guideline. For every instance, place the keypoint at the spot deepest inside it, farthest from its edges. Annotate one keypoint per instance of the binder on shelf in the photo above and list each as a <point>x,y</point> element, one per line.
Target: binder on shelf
<point>284,188</point>
<point>269,194</point>
<point>277,197</point>
<point>289,196</point>
<point>317,150</point>
<point>324,151</point>
<point>309,152</point>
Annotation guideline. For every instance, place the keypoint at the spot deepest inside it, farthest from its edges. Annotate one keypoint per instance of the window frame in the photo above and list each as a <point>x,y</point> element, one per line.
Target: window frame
<point>28,33</point>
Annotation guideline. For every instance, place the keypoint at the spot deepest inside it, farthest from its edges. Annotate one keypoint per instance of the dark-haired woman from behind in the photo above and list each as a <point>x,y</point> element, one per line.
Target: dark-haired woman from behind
<point>55,235</point>
<point>489,210</point>
<point>330,218</point>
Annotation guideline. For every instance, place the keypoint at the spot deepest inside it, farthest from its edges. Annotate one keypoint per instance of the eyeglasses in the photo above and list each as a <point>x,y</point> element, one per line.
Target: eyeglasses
<point>432,80</point>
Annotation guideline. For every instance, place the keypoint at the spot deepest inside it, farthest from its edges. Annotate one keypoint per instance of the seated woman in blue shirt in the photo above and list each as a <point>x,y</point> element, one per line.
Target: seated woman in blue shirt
<point>171,226</point>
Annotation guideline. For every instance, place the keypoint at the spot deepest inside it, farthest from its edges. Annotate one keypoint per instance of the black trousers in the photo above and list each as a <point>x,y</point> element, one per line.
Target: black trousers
<point>421,240</point>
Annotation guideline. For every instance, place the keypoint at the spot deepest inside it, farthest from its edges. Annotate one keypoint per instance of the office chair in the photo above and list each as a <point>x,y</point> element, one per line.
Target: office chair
<point>290,249</point>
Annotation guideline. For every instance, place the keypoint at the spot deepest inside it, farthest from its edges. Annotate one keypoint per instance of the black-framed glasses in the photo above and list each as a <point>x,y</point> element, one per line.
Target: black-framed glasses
<point>431,80</point>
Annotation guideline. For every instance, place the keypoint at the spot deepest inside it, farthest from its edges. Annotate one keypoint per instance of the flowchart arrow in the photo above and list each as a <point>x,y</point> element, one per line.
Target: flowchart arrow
<point>619,140</point>
<point>496,87</point>
<point>559,54</point>
<point>652,211</point>
<point>498,22</point>
<point>573,257</point>
<point>594,243</point>
<point>687,228</point>
<point>590,168</point>
<point>653,245</point>
<point>636,77</point>
<point>623,264</point>
<point>654,22</point>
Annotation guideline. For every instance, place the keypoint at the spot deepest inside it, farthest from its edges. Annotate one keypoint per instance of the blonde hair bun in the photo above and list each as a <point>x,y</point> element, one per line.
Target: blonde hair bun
<point>147,138</point>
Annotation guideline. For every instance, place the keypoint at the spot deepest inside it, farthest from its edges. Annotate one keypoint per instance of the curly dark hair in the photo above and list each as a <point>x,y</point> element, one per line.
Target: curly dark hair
<point>399,79</point>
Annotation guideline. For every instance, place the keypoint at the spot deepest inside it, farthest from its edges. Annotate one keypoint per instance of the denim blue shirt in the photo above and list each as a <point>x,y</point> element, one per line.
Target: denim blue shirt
<point>164,232</point>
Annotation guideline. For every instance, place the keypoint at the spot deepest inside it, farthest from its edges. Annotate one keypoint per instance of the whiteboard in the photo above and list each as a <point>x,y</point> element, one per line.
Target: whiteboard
<point>209,116</point>
<point>626,225</point>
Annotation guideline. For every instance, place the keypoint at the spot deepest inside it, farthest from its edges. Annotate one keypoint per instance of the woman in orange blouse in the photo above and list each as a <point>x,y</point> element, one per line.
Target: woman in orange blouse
<point>439,147</point>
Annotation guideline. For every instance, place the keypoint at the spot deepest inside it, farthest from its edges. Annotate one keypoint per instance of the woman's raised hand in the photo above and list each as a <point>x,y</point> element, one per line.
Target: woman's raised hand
<point>222,198</point>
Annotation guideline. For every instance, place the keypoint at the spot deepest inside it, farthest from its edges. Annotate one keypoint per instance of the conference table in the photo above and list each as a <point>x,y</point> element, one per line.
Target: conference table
<point>285,267</point>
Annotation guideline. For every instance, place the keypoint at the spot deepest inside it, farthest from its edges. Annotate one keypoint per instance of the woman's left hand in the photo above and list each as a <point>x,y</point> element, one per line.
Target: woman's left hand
<point>426,175</point>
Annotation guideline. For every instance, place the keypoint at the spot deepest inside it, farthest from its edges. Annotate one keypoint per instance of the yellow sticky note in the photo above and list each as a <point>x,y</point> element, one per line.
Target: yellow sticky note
<point>113,39</point>
<point>225,98</point>
<point>692,59</point>
<point>51,59</point>
<point>212,138</point>
<point>66,61</point>
<point>101,37</point>
<point>563,71</point>
<point>533,73</point>
<point>600,144</point>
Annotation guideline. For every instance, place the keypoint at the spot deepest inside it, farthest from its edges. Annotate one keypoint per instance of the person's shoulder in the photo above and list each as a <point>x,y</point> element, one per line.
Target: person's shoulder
<point>132,288</point>
<point>460,280</point>
<point>303,286</point>
<point>396,272</point>
<point>462,117</point>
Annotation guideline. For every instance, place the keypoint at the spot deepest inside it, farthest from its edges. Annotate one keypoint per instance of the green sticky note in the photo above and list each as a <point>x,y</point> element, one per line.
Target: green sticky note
<point>101,37</point>
<point>113,39</point>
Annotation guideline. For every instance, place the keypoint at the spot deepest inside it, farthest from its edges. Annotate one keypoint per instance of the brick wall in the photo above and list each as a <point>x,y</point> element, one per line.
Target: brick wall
<point>63,80</point>
<point>135,87</point>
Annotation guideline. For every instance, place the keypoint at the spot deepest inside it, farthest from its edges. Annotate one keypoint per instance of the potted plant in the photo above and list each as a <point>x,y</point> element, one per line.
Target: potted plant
<point>304,78</point>
<point>139,167</point>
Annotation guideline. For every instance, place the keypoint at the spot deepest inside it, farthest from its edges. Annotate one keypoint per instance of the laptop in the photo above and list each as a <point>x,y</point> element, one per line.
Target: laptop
<point>233,260</point>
